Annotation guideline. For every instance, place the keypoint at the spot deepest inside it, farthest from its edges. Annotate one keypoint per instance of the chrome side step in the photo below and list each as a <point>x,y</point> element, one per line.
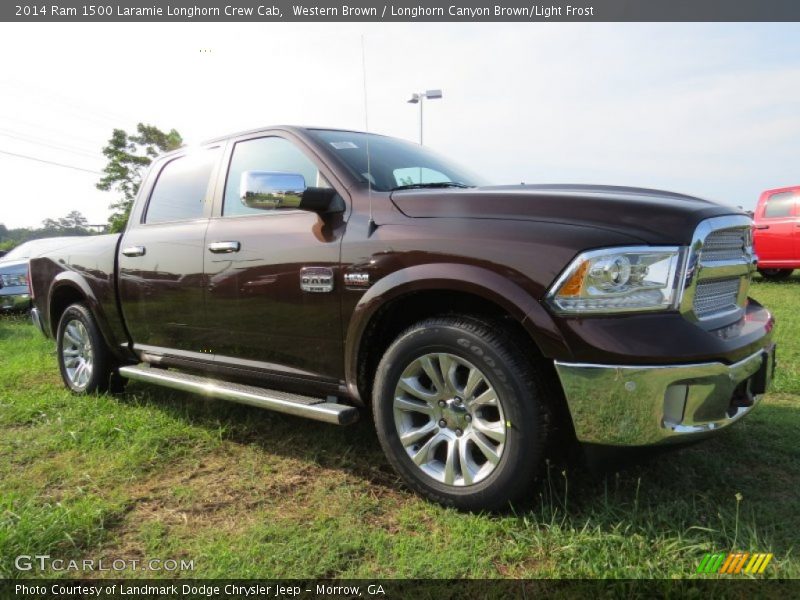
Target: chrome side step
<point>318,409</point>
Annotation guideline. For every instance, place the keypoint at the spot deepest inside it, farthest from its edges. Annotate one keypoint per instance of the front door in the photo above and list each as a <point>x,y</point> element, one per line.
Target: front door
<point>263,307</point>
<point>161,256</point>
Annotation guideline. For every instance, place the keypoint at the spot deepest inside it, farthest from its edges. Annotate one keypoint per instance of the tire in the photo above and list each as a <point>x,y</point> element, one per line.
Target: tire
<point>85,362</point>
<point>776,274</point>
<point>452,464</point>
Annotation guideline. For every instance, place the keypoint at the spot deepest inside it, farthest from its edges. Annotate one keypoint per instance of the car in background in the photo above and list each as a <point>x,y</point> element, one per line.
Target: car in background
<point>14,277</point>
<point>777,232</point>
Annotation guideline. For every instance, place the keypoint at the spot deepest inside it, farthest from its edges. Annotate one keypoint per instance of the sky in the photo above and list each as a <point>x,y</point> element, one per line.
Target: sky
<point>711,110</point>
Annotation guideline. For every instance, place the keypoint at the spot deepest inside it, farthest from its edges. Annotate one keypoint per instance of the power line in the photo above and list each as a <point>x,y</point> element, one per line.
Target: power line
<point>50,162</point>
<point>33,140</point>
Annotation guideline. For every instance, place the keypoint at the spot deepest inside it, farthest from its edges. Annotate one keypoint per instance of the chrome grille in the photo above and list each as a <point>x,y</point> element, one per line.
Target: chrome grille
<point>716,296</point>
<point>726,244</point>
<point>718,270</point>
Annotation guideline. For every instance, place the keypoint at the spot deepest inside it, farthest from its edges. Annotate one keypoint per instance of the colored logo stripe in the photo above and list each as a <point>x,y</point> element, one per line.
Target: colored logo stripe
<point>732,563</point>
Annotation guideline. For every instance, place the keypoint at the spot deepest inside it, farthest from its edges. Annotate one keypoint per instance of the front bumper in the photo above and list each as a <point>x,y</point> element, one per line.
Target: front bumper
<point>15,302</point>
<point>644,405</point>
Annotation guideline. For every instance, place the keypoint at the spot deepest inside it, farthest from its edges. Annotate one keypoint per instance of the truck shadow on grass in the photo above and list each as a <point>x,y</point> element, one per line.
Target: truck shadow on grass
<point>737,490</point>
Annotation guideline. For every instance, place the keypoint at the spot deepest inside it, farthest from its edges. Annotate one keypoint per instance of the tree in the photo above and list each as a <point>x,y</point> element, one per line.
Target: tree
<point>128,156</point>
<point>74,223</point>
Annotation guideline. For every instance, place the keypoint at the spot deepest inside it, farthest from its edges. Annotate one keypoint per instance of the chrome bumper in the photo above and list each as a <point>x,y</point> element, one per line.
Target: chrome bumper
<point>643,405</point>
<point>15,302</point>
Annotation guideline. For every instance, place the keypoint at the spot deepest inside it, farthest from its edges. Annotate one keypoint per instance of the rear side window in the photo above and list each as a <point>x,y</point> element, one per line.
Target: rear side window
<point>780,205</point>
<point>181,188</point>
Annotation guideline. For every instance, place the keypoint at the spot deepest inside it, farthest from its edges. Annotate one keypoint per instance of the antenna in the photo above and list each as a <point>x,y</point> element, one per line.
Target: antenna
<point>372,225</point>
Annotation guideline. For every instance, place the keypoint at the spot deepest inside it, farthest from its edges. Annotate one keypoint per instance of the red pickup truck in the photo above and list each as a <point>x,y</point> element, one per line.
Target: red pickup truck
<point>777,232</point>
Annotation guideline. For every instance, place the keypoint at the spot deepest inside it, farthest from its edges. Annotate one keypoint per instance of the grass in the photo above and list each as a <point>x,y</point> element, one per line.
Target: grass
<point>247,493</point>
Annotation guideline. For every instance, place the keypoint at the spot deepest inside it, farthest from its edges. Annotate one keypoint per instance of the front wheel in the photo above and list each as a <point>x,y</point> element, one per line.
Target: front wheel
<point>84,360</point>
<point>461,413</point>
<point>775,274</point>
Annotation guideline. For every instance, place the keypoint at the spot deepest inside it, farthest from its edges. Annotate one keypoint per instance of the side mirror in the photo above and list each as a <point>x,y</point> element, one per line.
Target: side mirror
<point>269,190</point>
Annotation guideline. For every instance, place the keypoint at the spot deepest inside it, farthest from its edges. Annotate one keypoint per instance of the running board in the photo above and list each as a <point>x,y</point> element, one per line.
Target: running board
<point>318,409</point>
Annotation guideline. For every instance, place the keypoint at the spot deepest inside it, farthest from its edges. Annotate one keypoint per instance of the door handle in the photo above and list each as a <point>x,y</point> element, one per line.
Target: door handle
<point>133,251</point>
<point>224,247</point>
<point>762,226</point>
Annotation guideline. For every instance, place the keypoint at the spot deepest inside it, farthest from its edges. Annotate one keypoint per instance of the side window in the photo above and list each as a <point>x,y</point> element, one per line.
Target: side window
<point>780,205</point>
<point>181,188</point>
<point>265,154</point>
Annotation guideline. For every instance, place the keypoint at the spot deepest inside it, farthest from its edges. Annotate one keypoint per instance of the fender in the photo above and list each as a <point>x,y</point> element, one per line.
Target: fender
<point>481,282</point>
<point>75,281</point>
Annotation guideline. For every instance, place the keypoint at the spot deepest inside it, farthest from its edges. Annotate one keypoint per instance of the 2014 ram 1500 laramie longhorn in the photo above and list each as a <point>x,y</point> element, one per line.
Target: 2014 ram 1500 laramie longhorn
<point>318,272</point>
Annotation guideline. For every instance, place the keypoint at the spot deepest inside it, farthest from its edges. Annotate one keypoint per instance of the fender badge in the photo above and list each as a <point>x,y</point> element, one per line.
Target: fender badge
<point>357,280</point>
<point>316,279</point>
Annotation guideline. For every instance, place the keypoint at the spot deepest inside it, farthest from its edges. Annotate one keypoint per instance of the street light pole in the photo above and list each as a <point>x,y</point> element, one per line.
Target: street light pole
<point>418,98</point>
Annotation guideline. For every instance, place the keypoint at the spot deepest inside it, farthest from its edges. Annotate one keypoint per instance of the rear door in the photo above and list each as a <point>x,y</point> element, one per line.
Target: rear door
<point>161,281</point>
<point>777,237</point>
<point>262,314</point>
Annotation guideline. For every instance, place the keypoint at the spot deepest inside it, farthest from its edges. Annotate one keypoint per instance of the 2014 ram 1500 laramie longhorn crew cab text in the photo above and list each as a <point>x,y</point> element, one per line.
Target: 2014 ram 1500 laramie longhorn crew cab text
<point>318,272</point>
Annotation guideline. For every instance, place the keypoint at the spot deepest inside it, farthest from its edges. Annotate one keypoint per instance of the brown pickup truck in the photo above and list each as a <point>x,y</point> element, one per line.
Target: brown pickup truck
<point>320,273</point>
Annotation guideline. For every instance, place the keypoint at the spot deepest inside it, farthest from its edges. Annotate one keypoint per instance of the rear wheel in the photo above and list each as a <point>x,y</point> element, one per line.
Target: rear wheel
<point>776,274</point>
<point>85,362</point>
<point>461,414</point>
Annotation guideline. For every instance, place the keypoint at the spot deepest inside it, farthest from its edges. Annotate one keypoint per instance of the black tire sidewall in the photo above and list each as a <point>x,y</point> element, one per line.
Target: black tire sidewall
<point>523,450</point>
<point>99,379</point>
<point>776,274</point>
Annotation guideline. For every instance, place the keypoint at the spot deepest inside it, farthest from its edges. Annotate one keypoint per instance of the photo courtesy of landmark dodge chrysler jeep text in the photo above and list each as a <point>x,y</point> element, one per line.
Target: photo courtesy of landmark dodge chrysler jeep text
<point>319,272</point>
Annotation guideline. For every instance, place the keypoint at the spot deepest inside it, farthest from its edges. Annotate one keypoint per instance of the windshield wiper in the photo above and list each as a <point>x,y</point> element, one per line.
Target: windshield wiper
<point>441,184</point>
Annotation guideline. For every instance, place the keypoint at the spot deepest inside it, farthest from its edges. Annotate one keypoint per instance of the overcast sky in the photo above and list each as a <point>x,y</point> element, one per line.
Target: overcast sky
<point>706,109</point>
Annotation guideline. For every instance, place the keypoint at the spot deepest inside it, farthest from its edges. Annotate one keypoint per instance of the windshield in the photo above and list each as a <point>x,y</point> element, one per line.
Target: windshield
<point>393,164</point>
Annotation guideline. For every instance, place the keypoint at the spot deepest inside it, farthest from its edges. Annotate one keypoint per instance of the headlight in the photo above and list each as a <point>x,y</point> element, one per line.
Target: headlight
<point>618,280</point>
<point>14,280</point>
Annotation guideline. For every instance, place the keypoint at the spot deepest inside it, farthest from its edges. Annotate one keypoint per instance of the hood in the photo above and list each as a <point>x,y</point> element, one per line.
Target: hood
<point>653,216</point>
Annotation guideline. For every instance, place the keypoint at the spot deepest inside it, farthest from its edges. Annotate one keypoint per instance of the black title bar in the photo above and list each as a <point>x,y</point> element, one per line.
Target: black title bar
<point>422,10</point>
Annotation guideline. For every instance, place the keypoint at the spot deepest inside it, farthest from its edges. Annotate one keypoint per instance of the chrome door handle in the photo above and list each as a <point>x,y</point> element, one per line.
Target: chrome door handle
<point>224,247</point>
<point>133,251</point>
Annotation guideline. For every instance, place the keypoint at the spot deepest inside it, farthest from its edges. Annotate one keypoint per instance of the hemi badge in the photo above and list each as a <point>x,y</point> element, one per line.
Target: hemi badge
<point>359,280</point>
<point>316,279</point>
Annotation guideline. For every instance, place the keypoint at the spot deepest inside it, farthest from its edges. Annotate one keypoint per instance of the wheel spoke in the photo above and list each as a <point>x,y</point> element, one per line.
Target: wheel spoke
<point>417,433</point>
<point>72,336</point>
<point>467,471</point>
<point>450,461</point>
<point>412,386</point>
<point>485,447</point>
<point>474,379</point>
<point>433,373</point>
<point>71,361</point>
<point>71,352</point>
<point>487,398</point>
<point>421,455</point>
<point>495,431</point>
<point>447,369</point>
<point>405,404</point>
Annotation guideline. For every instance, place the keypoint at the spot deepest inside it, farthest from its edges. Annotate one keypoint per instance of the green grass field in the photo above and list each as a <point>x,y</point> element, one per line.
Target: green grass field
<point>248,493</point>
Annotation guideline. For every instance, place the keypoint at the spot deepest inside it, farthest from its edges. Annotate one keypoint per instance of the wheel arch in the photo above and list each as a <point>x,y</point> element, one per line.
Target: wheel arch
<point>68,288</point>
<point>409,295</point>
